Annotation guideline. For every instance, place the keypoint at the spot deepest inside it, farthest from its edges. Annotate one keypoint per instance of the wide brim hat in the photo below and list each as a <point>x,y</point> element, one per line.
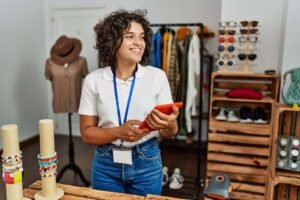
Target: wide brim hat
<point>65,50</point>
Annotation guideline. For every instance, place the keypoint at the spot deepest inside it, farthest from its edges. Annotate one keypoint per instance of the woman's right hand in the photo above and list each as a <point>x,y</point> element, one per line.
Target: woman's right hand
<point>129,131</point>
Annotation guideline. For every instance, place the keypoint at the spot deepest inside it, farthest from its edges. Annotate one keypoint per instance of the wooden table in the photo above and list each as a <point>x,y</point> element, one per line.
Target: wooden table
<point>83,193</point>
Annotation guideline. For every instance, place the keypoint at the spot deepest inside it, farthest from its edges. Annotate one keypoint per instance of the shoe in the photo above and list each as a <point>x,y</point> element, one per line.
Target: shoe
<point>165,176</point>
<point>259,115</point>
<point>232,117</point>
<point>176,180</point>
<point>245,115</point>
<point>221,115</point>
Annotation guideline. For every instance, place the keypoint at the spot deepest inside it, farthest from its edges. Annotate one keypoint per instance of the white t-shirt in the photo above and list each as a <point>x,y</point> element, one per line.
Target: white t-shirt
<point>98,98</point>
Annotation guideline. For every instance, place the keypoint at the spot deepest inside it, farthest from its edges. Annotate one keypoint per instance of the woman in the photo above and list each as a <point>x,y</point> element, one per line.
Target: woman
<point>115,98</point>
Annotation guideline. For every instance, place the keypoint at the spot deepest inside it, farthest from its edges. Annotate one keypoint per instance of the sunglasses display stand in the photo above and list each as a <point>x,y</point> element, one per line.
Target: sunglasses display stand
<point>228,60</point>
<point>226,47</point>
<point>284,178</point>
<point>247,44</point>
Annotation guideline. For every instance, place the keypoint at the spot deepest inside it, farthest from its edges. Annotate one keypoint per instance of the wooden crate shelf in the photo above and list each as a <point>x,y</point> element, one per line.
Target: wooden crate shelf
<point>259,129</point>
<point>284,184</point>
<point>241,150</point>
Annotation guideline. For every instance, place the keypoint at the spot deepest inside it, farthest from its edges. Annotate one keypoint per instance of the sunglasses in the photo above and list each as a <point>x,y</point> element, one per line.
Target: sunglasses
<point>229,48</point>
<point>253,23</point>
<point>222,62</point>
<point>250,57</point>
<point>229,32</point>
<point>229,23</point>
<point>251,39</point>
<point>249,31</point>
<point>228,39</point>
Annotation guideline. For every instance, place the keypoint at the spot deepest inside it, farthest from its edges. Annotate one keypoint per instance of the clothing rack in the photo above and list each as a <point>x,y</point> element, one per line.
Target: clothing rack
<point>200,178</point>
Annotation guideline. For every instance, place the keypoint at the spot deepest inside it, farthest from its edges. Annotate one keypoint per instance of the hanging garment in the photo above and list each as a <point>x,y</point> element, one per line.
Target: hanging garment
<point>170,40</point>
<point>165,50</point>
<point>173,69</point>
<point>156,50</point>
<point>193,79</point>
<point>66,84</point>
<point>182,88</point>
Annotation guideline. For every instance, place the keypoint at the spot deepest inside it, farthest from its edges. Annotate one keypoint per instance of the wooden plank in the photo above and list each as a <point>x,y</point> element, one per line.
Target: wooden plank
<point>237,149</point>
<point>262,86</point>
<point>281,192</point>
<point>240,139</point>
<point>29,193</point>
<point>246,178</point>
<point>245,195</point>
<point>293,193</point>
<point>245,187</point>
<point>236,159</point>
<point>297,131</point>
<point>225,168</point>
<point>223,97</point>
<point>251,129</point>
<point>155,197</point>
<point>90,193</point>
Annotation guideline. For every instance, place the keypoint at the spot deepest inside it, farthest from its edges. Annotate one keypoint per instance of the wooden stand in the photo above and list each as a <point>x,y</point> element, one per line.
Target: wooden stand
<point>241,150</point>
<point>72,165</point>
<point>49,190</point>
<point>10,138</point>
<point>284,184</point>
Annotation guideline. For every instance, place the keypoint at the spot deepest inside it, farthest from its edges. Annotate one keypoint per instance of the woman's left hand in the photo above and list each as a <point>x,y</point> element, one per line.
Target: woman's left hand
<point>158,120</point>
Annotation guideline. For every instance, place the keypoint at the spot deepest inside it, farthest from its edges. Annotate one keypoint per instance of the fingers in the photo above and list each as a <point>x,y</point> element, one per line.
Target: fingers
<point>155,122</point>
<point>134,122</point>
<point>135,136</point>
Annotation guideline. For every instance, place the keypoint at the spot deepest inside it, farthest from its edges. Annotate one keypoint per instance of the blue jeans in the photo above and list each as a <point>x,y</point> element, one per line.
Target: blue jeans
<point>143,177</point>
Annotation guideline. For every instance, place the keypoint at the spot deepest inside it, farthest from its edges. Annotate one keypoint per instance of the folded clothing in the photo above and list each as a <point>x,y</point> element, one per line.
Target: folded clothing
<point>244,93</point>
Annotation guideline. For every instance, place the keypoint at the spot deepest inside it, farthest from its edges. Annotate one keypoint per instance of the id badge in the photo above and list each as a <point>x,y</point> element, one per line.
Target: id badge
<point>123,156</point>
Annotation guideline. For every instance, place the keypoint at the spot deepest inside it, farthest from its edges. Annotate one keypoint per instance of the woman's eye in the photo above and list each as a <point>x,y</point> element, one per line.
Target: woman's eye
<point>129,36</point>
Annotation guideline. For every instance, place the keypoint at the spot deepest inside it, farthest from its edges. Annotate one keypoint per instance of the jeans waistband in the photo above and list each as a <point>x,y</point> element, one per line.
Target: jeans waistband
<point>139,145</point>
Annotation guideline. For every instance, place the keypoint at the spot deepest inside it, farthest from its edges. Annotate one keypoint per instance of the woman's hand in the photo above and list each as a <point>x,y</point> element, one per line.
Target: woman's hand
<point>167,123</point>
<point>129,131</point>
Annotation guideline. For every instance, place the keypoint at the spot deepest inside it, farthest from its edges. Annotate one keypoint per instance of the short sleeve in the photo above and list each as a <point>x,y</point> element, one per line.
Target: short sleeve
<point>88,100</point>
<point>164,93</point>
<point>48,73</point>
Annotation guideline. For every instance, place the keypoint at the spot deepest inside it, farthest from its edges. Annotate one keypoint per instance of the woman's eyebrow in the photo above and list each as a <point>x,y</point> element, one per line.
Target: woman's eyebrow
<point>132,33</point>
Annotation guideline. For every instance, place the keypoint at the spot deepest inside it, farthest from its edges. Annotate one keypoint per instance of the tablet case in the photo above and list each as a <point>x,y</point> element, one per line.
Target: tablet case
<point>164,108</point>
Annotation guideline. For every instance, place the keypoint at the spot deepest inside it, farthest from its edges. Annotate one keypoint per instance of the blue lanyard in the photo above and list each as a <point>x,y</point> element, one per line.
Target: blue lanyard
<point>129,97</point>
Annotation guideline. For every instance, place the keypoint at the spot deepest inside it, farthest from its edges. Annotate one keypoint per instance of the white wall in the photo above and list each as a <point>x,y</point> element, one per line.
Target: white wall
<point>271,15</point>
<point>23,99</point>
<point>291,55</point>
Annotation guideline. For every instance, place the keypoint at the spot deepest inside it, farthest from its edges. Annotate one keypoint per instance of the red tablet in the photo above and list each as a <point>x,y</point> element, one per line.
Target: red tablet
<point>164,108</point>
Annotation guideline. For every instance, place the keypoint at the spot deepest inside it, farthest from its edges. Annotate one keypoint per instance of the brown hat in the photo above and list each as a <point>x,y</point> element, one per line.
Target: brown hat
<point>65,50</point>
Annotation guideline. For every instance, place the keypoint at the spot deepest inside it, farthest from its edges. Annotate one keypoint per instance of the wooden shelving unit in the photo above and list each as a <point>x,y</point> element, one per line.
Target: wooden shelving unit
<point>241,150</point>
<point>284,184</point>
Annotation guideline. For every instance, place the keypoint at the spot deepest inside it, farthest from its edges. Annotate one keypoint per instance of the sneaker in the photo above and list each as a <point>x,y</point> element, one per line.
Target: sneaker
<point>221,115</point>
<point>165,176</point>
<point>259,115</point>
<point>232,117</point>
<point>176,180</point>
<point>245,115</point>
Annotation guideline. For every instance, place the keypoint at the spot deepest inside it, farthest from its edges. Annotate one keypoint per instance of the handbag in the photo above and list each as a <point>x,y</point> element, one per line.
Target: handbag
<point>292,96</point>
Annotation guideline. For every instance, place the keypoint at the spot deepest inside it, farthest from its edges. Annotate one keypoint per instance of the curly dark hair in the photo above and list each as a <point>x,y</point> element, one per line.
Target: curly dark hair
<point>110,31</point>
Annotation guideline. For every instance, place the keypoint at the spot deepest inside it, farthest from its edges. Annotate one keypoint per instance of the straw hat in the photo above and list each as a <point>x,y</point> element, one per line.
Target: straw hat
<point>65,50</point>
